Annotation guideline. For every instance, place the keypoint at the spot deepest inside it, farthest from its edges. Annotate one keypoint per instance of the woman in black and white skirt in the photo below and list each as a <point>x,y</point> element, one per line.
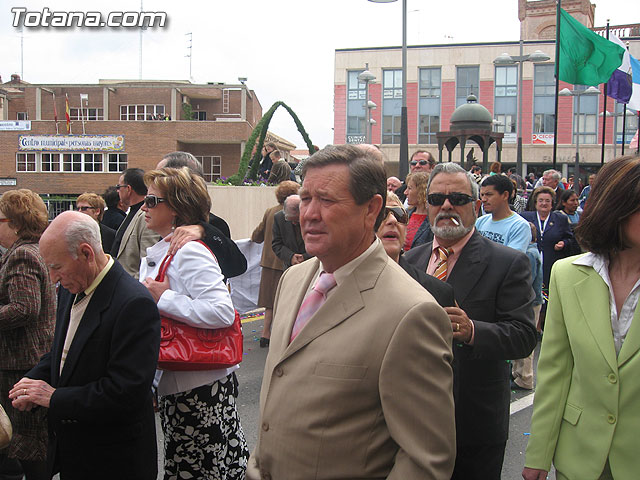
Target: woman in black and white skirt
<point>203,435</point>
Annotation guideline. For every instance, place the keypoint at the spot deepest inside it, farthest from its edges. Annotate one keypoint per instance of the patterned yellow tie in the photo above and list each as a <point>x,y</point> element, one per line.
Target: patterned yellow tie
<point>441,269</point>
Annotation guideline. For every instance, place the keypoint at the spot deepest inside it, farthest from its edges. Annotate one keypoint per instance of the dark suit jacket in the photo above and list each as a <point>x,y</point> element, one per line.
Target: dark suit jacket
<point>557,228</point>
<point>492,284</point>
<point>231,260</point>
<point>441,291</point>
<point>113,217</point>
<point>101,420</point>
<point>107,235</point>
<point>424,233</point>
<point>287,240</point>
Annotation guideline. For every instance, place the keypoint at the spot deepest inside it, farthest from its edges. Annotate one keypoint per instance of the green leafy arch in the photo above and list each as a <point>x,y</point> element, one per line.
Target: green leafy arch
<point>259,133</point>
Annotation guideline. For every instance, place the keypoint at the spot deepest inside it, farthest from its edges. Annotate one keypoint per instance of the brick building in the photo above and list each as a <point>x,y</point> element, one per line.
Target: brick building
<point>127,123</point>
<point>440,77</point>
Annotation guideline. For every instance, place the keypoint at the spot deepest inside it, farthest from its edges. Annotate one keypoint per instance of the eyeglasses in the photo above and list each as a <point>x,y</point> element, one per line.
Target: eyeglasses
<point>151,201</point>
<point>118,187</point>
<point>421,162</point>
<point>456,199</point>
<point>84,209</point>
<point>398,212</point>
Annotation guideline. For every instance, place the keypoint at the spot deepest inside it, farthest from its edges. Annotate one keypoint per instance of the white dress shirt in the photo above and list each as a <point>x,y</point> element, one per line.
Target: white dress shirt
<point>197,296</point>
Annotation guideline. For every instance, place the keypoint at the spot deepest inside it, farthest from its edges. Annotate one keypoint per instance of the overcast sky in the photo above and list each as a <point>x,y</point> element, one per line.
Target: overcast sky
<point>284,47</point>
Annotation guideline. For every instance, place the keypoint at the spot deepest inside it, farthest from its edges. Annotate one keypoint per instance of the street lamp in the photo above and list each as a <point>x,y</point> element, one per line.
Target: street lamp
<point>403,168</point>
<point>506,59</point>
<point>367,77</point>
<point>565,92</point>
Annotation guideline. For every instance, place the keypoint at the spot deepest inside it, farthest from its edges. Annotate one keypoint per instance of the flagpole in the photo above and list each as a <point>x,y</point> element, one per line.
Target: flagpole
<point>555,125</point>
<point>55,113</point>
<point>604,112</point>
<point>624,125</point>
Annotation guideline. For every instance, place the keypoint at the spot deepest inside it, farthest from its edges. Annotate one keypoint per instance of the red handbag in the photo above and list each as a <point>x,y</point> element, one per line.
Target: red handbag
<point>187,348</point>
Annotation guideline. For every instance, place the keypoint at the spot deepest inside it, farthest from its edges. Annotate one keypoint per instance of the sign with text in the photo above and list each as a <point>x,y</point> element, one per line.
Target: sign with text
<point>75,143</point>
<point>355,139</point>
<point>510,138</point>
<point>7,125</point>
<point>542,139</point>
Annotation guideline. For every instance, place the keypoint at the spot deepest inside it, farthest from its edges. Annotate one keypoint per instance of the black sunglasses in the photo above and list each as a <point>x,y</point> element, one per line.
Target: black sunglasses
<point>456,199</point>
<point>398,212</point>
<point>151,201</point>
<point>84,209</point>
<point>118,187</point>
<point>421,162</point>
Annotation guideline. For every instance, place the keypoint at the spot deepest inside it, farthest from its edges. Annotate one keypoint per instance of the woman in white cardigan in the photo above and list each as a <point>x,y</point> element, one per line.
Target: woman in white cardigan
<point>203,435</point>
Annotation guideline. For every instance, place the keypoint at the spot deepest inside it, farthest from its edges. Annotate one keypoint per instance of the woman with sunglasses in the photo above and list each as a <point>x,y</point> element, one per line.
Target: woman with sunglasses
<point>27,318</point>
<point>93,205</point>
<point>418,229</point>
<point>203,437</point>
<point>392,232</point>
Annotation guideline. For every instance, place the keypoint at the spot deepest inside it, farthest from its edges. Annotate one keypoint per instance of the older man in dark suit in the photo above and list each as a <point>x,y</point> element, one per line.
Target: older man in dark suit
<point>96,380</point>
<point>287,242</point>
<point>493,323</point>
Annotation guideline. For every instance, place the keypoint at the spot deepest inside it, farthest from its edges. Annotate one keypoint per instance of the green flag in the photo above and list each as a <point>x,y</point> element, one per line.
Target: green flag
<point>586,58</point>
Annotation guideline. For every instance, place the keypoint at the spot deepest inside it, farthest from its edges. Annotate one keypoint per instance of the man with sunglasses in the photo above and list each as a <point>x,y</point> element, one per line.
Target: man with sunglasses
<point>492,324</point>
<point>421,161</point>
<point>132,237</point>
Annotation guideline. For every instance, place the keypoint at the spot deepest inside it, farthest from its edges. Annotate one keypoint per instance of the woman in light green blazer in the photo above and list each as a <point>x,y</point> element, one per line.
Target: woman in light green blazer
<point>586,416</point>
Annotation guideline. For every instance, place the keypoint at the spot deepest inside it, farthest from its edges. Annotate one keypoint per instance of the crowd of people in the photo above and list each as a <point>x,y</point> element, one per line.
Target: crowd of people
<point>399,315</point>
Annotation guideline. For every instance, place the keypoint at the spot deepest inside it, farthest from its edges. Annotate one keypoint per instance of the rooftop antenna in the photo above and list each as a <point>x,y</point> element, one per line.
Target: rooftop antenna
<point>189,47</point>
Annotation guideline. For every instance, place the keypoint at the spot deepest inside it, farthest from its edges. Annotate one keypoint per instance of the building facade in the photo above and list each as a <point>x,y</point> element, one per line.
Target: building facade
<point>440,77</point>
<point>117,124</point>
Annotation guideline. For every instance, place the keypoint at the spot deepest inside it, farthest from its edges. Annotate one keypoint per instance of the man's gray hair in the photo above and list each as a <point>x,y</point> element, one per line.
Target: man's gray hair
<point>554,174</point>
<point>80,231</point>
<point>184,159</point>
<point>453,168</point>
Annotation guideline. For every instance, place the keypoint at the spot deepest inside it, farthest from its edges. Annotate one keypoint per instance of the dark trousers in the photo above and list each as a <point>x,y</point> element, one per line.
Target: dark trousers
<point>479,462</point>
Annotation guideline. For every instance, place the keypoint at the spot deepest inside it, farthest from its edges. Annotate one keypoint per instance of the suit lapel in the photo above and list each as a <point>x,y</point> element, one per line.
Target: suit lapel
<point>65,300</point>
<point>595,311</point>
<point>129,231</point>
<point>91,320</point>
<point>342,304</point>
<point>632,342</point>
<point>468,268</point>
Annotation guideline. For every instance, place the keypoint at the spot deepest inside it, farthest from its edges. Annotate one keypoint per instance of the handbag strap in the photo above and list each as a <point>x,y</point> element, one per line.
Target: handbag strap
<point>166,261</point>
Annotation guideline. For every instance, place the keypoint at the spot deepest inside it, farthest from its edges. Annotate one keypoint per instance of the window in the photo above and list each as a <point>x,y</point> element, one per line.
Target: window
<point>25,162</point>
<point>50,162</point>
<point>199,115</point>
<point>506,97</point>
<point>141,112</point>
<point>22,116</point>
<point>391,105</point>
<point>356,98</point>
<point>587,125</point>
<point>117,162</point>
<point>93,162</point>
<point>467,82</point>
<point>72,162</point>
<point>211,165</point>
<point>544,91</point>
<point>87,113</point>
<point>631,125</point>
<point>429,105</point>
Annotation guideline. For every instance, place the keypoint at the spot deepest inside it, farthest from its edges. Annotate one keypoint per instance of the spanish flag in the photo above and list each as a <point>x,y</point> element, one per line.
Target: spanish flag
<point>67,113</point>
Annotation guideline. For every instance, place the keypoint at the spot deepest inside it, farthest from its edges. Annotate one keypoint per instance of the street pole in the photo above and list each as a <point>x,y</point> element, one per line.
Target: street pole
<point>403,168</point>
<point>576,170</point>
<point>519,166</point>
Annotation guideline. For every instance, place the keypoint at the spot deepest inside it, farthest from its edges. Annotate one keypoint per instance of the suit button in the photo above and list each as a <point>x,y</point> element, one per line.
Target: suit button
<point>265,426</point>
<point>612,378</point>
<point>279,372</point>
<point>611,418</point>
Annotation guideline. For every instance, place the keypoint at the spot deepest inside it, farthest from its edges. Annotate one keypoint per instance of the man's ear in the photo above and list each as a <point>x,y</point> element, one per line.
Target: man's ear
<point>86,252</point>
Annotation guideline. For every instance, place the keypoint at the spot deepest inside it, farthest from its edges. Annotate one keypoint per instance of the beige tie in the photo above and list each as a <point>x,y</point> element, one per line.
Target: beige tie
<point>441,269</point>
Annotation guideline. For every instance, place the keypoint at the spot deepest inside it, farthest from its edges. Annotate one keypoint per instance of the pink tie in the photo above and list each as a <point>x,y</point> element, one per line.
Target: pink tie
<point>312,302</point>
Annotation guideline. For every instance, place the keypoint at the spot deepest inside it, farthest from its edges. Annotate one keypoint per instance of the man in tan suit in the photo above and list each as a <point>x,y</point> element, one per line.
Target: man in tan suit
<point>133,237</point>
<point>363,389</point>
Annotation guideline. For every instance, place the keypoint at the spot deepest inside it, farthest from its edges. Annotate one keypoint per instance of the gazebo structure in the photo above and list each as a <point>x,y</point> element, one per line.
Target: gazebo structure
<point>470,122</point>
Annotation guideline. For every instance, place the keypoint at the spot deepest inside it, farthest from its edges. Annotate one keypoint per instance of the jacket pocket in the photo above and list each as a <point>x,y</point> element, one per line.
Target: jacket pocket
<point>348,372</point>
<point>572,414</point>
